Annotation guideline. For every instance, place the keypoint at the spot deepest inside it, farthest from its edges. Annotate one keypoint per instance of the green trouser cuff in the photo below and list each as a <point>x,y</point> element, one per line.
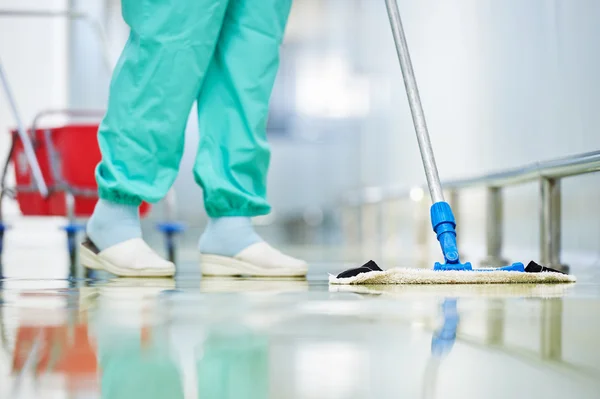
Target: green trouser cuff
<point>118,197</point>
<point>248,210</point>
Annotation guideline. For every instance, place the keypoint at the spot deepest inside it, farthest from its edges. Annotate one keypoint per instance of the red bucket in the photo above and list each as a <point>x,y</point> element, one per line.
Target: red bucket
<point>76,153</point>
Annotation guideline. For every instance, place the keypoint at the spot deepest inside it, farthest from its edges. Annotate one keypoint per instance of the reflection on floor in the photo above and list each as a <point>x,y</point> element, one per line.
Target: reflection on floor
<point>277,338</point>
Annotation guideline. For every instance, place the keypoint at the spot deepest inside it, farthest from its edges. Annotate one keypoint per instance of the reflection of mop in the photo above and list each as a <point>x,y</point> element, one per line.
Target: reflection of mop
<point>452,271</point>
<point>441,345</point>
<point>458,290</point>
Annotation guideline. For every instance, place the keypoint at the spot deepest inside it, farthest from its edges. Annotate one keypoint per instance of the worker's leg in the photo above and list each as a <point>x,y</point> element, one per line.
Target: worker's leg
<point>153,87</point>
<point>233,154</point>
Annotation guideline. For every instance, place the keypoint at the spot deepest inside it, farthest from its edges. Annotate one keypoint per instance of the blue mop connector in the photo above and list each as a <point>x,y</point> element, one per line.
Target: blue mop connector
<point>444,225</point>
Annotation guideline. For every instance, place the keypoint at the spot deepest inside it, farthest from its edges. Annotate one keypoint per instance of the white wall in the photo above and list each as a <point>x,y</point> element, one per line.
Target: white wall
<point>34,56</point>
<point>89,75</point>
<point>503,83</point>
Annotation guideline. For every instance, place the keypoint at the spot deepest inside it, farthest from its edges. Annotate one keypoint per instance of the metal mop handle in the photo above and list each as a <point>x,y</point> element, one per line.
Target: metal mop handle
<point>414,100</point>
<point>442,218</point>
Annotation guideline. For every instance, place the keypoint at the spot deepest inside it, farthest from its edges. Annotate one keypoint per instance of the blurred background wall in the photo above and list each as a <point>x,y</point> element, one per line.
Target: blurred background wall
<point>504,83</point>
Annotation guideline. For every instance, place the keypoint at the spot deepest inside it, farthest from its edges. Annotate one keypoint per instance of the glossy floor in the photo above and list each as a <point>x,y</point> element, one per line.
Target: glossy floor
<point>276,338</point>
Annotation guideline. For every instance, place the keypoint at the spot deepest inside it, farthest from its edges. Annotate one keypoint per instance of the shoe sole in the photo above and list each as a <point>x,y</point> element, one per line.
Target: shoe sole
<point>215,265</point>
<point>93,261</point>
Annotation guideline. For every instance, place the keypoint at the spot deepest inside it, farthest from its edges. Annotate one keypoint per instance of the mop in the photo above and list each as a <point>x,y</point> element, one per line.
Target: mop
<point>452,271</point>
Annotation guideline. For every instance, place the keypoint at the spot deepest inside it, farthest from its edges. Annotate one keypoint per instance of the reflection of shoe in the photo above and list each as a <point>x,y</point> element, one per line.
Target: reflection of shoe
<point>129,302</point>
<point>131,258</point>
<point>260,260</point>
<point>270,285</point>
<point>87,297</point>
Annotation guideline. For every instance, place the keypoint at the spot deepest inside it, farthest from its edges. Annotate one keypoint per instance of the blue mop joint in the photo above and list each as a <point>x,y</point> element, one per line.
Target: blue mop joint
<point>444,226</point>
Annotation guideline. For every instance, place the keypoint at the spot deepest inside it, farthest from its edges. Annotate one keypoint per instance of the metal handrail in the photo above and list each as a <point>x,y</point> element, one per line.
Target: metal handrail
<point>548,173</point>
<point>553,169</point>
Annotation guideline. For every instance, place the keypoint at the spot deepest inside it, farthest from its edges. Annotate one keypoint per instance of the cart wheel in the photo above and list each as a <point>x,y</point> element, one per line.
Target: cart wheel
<point>72,230</point>
<point>170,230</point>
<point>90,274</point>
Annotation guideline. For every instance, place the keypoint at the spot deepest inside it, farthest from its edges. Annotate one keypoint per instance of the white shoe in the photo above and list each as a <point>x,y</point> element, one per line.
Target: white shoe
<point>131,258</point>
<point>259,260</point>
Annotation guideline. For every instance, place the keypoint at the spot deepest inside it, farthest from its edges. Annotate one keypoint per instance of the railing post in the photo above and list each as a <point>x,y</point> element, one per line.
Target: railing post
<point>360,226</point>
<point>367,232</point>
<point>379,228</point>
<point>71,229</point>
<point>349,224</point>
<point>494,226</point>
<point>388,228</point>
<point>423,231</point>
<point>453,200</point>
<point>550,224</point>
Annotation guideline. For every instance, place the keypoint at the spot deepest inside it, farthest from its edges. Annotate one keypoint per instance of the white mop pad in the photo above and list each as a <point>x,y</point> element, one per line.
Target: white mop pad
<point>429,276</point>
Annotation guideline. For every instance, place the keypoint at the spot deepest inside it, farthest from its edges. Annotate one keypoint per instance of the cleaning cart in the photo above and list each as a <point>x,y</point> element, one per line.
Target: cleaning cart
<point>55,166</point>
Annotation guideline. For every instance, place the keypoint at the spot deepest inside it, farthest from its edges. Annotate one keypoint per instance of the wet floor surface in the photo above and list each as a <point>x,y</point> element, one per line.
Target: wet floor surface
<point>278,338</point>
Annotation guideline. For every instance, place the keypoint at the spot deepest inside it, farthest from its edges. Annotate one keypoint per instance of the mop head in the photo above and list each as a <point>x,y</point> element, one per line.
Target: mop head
<point>370,273</point>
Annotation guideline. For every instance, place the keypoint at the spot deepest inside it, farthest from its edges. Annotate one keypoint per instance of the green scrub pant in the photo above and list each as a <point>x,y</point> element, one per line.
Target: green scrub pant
<point>224,54</point>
